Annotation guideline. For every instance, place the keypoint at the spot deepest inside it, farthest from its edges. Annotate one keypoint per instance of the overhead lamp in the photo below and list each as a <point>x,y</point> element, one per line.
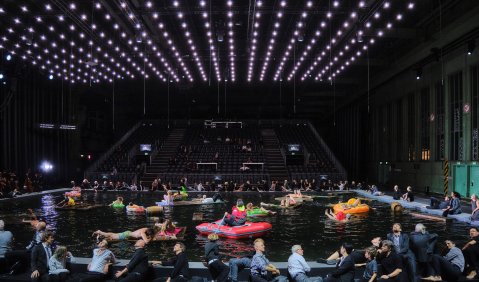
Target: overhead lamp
<point>8,57</point>
<point>138,38</point>
<point>1,76</point>
<point>471,45</point>
<point>418,73</point>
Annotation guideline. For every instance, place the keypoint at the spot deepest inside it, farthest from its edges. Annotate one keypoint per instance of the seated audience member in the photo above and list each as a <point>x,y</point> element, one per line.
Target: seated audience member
<point>97,269</point>
<point>437,204</point>
<point>371,272</point>
<point>181,269</point>
<point>375,191</point>
<point>58,264</point>
<point>474,207</point>
<point>422,244</point>
<point>471,251</point>
<point>455,205</point>
<point>391,263</point>
<point>408,196</point>
<point>238,264</point>
<point>448,267</point>
<point>41,254</point>
<point>137,268</point>
<point>6,239</point>
<point>396,193</point>
<point>358,256</point>
<point>298,267</point>
<point>261,269</point>
<point>344,271</point>
<point>402,247</point>
<point>218,270</point>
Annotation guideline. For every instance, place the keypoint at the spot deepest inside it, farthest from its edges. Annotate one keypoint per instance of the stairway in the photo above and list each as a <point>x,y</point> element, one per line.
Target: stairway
<point>273,157</point>
<point>160,164</point>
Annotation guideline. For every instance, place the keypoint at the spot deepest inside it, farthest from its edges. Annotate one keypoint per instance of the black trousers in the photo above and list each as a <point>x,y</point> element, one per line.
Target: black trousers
<point>88,277</point>
<point>133,277</point>
<point>19,258</point>
<point>471,255</point>
<point>445,269</point>
<point>60,277</point>
<point>218,270</point>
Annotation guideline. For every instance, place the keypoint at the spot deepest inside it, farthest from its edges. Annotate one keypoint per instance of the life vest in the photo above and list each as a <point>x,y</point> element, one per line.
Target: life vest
<point>239,212</point>
<point>71,202</point>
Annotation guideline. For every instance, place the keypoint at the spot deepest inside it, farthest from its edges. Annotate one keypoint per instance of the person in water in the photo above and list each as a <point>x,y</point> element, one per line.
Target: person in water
<point>207,200</point>
<point>340,216</point>
<point>288,201</point>
<point>251,208</point>
<point>143,233</point>
<point>117,202</point>
<point>237,216</point>
<point>67,202</point>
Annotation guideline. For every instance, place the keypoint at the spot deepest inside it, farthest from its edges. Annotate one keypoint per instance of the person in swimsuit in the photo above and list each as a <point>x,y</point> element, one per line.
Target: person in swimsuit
<point>142,233</point>
<point>117,202</point>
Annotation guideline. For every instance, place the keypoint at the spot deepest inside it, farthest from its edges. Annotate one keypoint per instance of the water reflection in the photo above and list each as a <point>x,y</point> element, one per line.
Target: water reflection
<point>307,225</point>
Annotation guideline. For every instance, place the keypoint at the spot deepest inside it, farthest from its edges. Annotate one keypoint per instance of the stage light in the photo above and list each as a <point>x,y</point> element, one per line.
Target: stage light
<point>50,76</point>
<point>1,76</point>
<point>471,45</point>
<point>8,57</point>
<point>418,74</point>
<point>46,166</point>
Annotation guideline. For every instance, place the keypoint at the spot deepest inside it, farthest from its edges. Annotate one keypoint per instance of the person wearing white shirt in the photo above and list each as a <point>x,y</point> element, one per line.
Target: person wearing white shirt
<point>298,267</point>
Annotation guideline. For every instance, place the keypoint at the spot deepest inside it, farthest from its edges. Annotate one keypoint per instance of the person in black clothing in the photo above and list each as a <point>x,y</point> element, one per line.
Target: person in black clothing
<point>218,270</point>
<point>344,271</point>
<point>391,263</point>
<point>408,196</point>
<point>396,193</point>
<point>422,244</point>
<point>471,253</point>
<point>181,270</point>
<point>41,254</point>
<point>401,246</point>
<point>437,204</point>
<point>138,265</point>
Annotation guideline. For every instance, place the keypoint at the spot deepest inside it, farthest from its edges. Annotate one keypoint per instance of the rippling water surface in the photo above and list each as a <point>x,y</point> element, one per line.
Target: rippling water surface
<point>307,225</point>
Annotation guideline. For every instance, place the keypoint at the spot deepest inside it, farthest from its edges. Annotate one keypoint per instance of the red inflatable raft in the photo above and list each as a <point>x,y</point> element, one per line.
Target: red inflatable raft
<point>248,230</point>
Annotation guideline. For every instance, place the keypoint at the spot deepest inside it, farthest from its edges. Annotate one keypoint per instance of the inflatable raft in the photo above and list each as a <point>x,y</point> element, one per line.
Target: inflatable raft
<point>257,212</point>
<point>135,209</point>
<point>154,210</point>
<point>248,230</point>
<point>118,206</point>
<point>73,194</point>
<point>297,205</point>
<point>348,208</point>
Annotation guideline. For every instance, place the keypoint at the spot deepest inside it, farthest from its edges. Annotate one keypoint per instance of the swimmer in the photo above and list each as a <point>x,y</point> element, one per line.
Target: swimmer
<point>339,217</point>
<point>118,201</point>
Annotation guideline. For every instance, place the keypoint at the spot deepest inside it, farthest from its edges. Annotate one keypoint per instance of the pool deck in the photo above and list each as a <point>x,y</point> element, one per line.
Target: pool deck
<point>419,204</point>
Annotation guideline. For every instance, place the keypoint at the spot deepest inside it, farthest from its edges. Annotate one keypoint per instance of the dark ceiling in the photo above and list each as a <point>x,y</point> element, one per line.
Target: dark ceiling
<point>302,45</point>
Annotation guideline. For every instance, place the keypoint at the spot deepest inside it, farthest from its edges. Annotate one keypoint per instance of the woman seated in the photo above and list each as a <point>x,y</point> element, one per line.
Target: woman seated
<point>288,201</point>
<point>117,202</point>
<point>142,233</point>
<point>57,265</point>
<point>251,208</point>
<point>237,216</point>
<point>168,199</point>
<point>340,216</point>
<point>375,191</point>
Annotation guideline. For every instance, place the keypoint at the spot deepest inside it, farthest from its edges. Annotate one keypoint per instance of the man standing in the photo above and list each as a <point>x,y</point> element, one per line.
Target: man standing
<point>6,238</point>
<point>401,246</point>
<point>138,265</point>
<point>41,254</point>
<point>261,269</point>
<point>181,269</point>
<point>297,266</point>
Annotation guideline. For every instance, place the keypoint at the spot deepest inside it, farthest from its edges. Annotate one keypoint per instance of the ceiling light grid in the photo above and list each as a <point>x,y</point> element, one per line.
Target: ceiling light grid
<point>272,40</point>
<point>298,29</point>
<point>231,40</point>
<point>254,39</point>
<point>188,38</point>
<point>336,37</point>
<point>362,48</point>
<point>210,39</point>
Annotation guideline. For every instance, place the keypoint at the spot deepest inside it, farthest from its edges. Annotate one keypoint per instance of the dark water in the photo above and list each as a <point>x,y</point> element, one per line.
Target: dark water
<point>306,226</point>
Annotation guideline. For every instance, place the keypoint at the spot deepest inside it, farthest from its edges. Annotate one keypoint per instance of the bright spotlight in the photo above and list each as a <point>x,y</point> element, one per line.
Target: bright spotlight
<point>8,57</point>
<point>46,166</point>
<point>50,76</point>
<point>1,76</point>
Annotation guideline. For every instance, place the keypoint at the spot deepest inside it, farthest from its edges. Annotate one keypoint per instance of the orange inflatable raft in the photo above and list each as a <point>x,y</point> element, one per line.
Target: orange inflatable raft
<point>350,208</point>
<point>73,194</point>
<point>135,209</point>
<point>248,230</point>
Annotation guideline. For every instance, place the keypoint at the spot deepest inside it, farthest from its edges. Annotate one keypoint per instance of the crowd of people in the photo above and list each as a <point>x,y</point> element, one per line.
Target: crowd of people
<point>11,185</point>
